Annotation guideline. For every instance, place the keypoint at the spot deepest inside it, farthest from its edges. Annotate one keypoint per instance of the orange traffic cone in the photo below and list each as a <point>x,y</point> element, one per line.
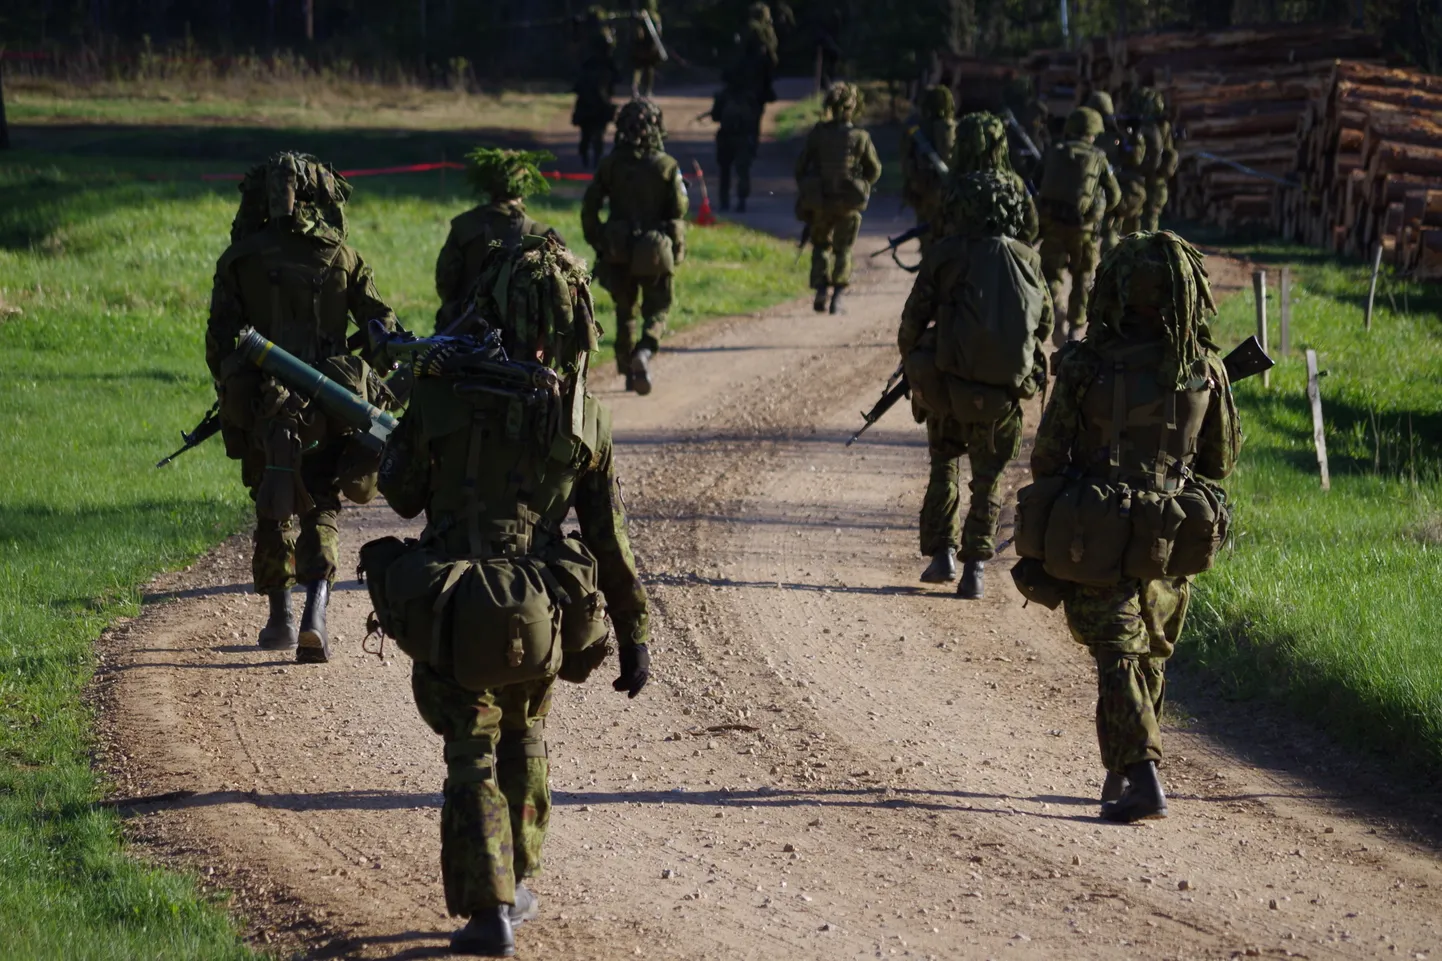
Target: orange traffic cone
<point>704,216</point>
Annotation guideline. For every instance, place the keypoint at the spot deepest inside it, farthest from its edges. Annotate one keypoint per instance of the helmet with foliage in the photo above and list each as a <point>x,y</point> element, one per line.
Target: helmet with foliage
<point>1155,280</point>
<point>296,189</point>
<point>842,101</point>
<point>502,175</point>
<point>937,103</point>
<point>1083,124</point>
<point>759,11</point>
<point>980,144</point>
<point>1101,102</point>
<point>639,127</point>
<point>985,203</point>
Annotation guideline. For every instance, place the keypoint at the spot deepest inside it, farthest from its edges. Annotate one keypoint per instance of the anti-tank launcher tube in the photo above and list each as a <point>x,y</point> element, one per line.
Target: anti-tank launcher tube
<point>371,424</point>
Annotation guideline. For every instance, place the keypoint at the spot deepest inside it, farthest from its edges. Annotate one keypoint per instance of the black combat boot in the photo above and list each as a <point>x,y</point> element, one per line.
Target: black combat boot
<point>641,371</point>
<point>279,632</point>
<point>942,569</point>
<point>487,934</point>
<point>1143,798</point>
<point>527,905</point>
<point>1114,787</point>
<point>973,580</point>
<point>314,644</point>
<point>819,304</point>
<point>836,293</point>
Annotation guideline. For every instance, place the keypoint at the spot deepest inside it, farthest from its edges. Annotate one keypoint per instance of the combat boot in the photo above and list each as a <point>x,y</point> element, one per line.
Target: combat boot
<point>942,569</point>
<point>836,299</point>
<point>641,371</point>
<point>1143,798</point>
<point>819,304</point>
<point>314,644</point>
<point>279,632</point>
<point>527,905</point>
<point>487,934</point>
<point>1114,787</point>
<point>973,581</point>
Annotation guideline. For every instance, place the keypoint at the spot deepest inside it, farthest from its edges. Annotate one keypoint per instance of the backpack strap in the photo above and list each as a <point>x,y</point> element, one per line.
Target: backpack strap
<point>1169,424</point>
<point>473,508</point>
<point>1119,416</point>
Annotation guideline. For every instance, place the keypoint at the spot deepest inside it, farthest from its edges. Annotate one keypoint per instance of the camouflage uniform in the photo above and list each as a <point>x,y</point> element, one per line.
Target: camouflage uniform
<point>1159,159</point>
<point>834,173</point>
<point>594,88</point>
<point>1070,225</point>
<point>922,184</point>
<point>981,145</point>
<point>1151,295</point>
<point>642,185</point>
<point>496,795</point>
<point>986,203</point>
<point>1111,143</point>
<point>504,178</point>
<point>755,70</point>
<point>645,54</point>
<point>294,279</point>
<point>736,109</point>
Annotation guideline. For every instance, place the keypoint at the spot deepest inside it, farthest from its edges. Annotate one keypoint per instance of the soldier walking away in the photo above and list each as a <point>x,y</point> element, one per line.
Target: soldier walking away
<point>1076,191</point>
<point>834,175</point>
<point>643,239</point>
<point>646,51</point>
<point>1159,159</point>
<point>595,85</point>
<point>289,273</point>
<point>503,179</point>
<point>1140,426</point>
<point>926,143</point>
<point>735,109</point>
<point>755,69</point>
<point>1111,142</point>
<point>971,341</point>
<point>495,602</point>
<point>981,146</point>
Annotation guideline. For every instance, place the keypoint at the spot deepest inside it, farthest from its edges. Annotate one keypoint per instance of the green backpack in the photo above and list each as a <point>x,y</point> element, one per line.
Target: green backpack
<point>1071,182</point>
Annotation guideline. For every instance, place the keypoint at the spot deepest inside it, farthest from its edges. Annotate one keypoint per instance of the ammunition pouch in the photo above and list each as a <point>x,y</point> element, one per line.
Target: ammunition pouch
<point>1036,585</point>
<point>652,254</point>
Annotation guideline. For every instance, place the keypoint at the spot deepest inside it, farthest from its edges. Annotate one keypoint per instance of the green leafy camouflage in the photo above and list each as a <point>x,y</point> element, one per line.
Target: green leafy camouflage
<point>640,128</point>
<point>499,175</point>
<point>842,101</point>
<point>937,103</point>
<point>980,144</point>
<point>986,203</point>
<point>311,190</point>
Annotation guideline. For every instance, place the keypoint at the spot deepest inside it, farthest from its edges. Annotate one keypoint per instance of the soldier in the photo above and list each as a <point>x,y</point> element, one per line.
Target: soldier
<point>496,478</point>
<point>981,145</point>
<point>735,109</point>
<point>834,174</point>
<point>503,179</point>
<point>1110,142</point>
<point>289,273</point>
<point>987,211</point>
<point>759,57</point>
<point>1159,159</point>
<point>923,146</point>
<point>643,239</point>
<point>594,87</point>
<point>646,50</point>
<point>1148,350</point>
<point>1076,190</point>
<point>1132,179</point>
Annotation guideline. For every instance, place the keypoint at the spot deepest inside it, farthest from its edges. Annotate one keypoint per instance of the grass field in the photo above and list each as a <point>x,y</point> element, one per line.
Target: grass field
<point>1325,602</point>
<point>106,257</point>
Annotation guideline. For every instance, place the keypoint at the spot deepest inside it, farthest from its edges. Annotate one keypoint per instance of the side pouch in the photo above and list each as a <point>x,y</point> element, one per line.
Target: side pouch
<point>413,582</point>
<point>616,239</point>
<point>505,625</point>
<point>1155,518</point>
<point>1206,517</point>
<point>376,560</point>
<point>1033,510</point>
<point>652,254</point>
<point>1087,533</point>
<point>1036,585</point>
<point>583,610</point>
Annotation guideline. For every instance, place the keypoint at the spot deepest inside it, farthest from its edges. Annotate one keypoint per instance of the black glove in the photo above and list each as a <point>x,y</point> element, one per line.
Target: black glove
<point>576,666</point>
<point>635,669</point>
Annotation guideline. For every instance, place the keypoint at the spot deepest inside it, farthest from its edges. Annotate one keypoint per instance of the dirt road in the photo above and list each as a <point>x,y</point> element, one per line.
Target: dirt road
<point>830,763</point>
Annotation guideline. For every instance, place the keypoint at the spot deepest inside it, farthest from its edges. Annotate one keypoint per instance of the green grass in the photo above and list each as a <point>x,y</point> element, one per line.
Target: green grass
<point>1325,601</point>
<point>104,282</point>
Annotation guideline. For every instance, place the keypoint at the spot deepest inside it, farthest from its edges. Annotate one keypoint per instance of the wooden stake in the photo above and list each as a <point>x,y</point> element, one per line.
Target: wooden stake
<point>1259,288</point>
<point>1372,290</point>
<point>1319,437</point>
<point>1284,318</point>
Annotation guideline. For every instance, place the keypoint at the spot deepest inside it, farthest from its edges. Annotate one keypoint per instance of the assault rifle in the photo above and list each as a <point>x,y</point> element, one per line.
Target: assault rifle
<point>1028,147</point>
<point>801,243</point>
<point>1247,359</point>
<point>892,243</point>
<point>208,427</point>
<point>896,388</point>
<point>913,128</point>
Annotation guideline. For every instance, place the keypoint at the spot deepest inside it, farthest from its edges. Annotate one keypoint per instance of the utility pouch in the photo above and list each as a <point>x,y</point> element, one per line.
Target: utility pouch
<point>407,585</point>
<point>942,394</point>
<point>583,609</point>
<point>652,255</point>
<point>852,193</point>
<point>1033,511</point>
<point>1155,519</point>
<point>506,624</point>
<point>1036,585</point>
<point>1088,531</point>
<point>376,559</point>
<point>1204,520</point>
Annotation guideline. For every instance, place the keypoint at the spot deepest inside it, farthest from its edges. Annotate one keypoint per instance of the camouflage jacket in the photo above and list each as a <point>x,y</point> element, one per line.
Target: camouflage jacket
<point>641,193</point>
<point>835,151</point>
<point>471,235</point>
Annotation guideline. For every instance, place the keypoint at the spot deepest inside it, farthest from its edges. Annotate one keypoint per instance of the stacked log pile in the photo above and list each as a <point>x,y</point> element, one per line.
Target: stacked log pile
<point>1369,157</point>
<point>1234,95</point>
<point>1055,78</point>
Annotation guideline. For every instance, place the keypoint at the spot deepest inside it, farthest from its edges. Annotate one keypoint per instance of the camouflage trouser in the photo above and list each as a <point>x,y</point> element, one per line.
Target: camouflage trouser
<point>1128,215</point>
<point>1156,200</point>
<point>735,153</point>
<point>654,297</point>
<point>1131,630</point>
<point>497,791</point>
<point>991,447</point>
<point>286,552</point>
<point>1069,248</point>
<point>643,79</point>
<point>833,233</point>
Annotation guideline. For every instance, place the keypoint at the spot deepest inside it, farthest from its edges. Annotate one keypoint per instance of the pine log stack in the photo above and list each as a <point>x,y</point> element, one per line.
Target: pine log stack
<point>1369,157</point>
<point>1055,80</point>
<point>1234,94</point>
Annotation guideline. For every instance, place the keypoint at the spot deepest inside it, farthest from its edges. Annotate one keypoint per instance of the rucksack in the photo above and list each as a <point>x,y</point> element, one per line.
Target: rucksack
<point>1071,181</point>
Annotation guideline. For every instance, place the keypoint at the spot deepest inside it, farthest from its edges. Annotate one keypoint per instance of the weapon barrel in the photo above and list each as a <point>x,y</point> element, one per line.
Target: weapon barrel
<point>372,425</point>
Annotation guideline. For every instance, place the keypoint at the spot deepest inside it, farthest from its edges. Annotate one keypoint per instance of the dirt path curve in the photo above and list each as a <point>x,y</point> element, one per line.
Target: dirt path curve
<point>831,762</point>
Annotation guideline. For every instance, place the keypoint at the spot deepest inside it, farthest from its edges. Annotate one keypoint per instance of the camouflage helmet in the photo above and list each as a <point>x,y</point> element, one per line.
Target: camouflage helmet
<point>1101,102</point>
<point>937,103</point>
<point>760,11</point>
<point>502,175</point>
<point>1083,124</point>
<point>980,144</point>
<point>296,186</point>
<point>1159,277</point>
<point>985,203</point>
<point>1148,103</point>
<point>841,101</point>
<point>639,127</point>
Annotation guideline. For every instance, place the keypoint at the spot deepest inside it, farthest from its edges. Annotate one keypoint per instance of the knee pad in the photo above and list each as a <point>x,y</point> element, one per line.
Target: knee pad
<point>519,744</point>
<point>470,761</point>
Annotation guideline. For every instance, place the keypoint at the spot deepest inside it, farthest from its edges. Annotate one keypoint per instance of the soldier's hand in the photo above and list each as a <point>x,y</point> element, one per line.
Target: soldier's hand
<point>577,666</point>
<point>635,669</point>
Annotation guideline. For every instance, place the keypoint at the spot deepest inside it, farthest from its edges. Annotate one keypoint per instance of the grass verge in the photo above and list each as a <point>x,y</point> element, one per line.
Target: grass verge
<point>1324,601</point>
<point>104,282</point>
